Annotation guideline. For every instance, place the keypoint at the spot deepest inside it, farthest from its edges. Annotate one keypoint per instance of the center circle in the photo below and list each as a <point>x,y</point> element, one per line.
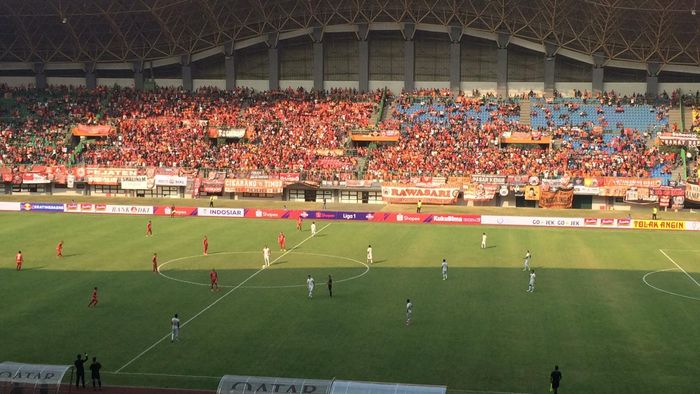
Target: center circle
<point>257,270</point>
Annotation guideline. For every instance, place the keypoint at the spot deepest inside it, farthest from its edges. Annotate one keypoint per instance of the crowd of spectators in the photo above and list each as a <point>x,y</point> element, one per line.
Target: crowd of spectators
<point>300,131</point>
<point>445,136</point>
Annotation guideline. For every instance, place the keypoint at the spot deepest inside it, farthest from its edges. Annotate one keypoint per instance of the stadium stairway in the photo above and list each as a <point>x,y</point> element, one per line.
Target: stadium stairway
<point>674,117</point>
<point>525,111</point>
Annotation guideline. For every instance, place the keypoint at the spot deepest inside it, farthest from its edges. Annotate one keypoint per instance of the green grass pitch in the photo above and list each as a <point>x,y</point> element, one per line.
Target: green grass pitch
<point>479,331</point>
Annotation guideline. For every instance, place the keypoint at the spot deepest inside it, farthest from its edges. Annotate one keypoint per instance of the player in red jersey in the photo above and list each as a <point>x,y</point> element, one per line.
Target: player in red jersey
<point>299,221</point>
<point>19,259</point>
<point>59,249</point>
<point>93,301</point>
<point>282,241</point>
<point>205,245</point>
<point>154,260</point>
<point>149,229</point>
<point>214,278</point>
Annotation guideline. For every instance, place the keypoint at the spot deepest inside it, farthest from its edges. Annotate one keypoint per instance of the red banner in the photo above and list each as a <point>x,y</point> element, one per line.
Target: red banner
<point>396,193</point>
<point>631,182</point>
<point>163,210</point>
<point>82,130</point>
<point>561,199</point>
<point>262,186</point>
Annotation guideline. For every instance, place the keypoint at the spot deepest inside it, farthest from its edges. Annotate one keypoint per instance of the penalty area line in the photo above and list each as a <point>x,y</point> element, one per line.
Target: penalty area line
<point>148,349</point>
<point>680,268</point>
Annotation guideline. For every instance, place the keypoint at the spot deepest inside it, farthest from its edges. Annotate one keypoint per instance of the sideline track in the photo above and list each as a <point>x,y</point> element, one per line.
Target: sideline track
<point>218,299</point>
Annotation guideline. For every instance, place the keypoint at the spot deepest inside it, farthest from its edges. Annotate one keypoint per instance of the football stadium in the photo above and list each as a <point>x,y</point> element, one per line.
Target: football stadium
<point>349,196</point>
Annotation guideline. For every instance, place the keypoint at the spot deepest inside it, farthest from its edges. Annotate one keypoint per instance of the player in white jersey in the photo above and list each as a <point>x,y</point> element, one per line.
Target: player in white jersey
<point>527,261</point>
<point>444,269</point>
<point>266,257</point>
<point>310,285</point>
<point>369,254</point>
<point>483,241</point>
<point>409,311</point>
<point>175,323</point>
<point>313,229</point>
<point>531,284</point>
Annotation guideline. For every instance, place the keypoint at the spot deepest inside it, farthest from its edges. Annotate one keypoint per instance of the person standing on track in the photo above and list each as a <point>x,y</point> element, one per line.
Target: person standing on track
<point>95,373</point>
<point>555,379</point>
<point>80,370</point>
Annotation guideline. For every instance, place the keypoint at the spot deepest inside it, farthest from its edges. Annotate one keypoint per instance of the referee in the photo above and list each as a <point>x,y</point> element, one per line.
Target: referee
<point>555,378</point>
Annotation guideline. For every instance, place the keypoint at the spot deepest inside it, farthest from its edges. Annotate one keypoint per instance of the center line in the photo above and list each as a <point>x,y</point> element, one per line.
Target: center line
<point>219,299</point>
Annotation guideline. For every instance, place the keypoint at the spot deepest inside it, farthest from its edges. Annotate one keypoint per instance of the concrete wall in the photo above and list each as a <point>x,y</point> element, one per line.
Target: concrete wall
<point>295,84</point>
<point>65,81</point>
<point>395,86</point>
<point>625,87</point>
<point>170,83</point>
<point>567,88</point>
<point>257,84</point>
<point>432,85</point>
<point>206,83</point>
<point>518,88</point>
<point>341,84</point>
<point>123,82</point>
<point>483,87</point>
<point>17,82</point>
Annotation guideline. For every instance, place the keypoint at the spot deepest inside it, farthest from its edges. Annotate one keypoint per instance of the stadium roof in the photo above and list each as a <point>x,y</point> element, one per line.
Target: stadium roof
<point>642,31</point>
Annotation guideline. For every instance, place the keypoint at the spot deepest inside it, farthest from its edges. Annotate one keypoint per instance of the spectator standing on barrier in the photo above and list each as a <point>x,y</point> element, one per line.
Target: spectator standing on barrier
<point>80,369</point>
<point>555,379</point>
<point>95,373</point>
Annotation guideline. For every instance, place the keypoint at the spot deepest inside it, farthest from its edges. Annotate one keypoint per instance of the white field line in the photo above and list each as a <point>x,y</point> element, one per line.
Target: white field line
<point>262,287</point>
<point>217,300</point>
<point>646,282</point>
<point>680,268</point>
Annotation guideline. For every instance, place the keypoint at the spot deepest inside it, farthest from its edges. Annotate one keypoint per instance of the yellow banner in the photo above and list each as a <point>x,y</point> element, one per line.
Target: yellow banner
<point>659,225</point>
